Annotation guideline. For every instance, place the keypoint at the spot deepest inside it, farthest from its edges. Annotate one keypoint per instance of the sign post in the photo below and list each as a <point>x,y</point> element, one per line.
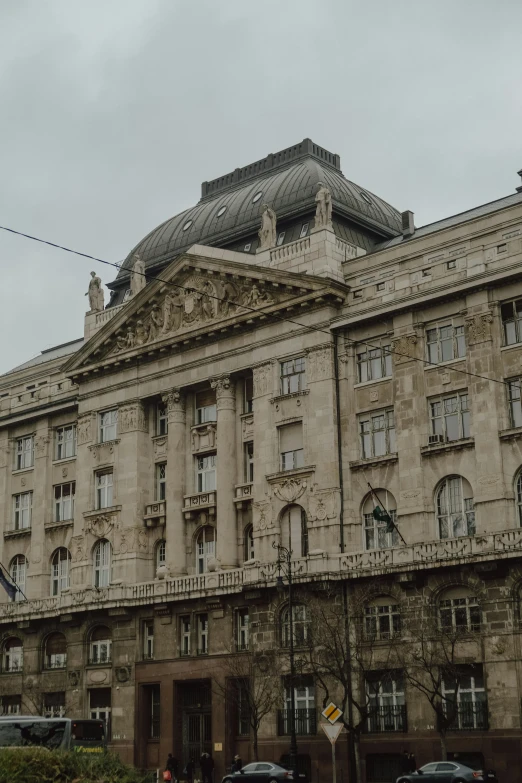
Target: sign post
<point>332,729</point>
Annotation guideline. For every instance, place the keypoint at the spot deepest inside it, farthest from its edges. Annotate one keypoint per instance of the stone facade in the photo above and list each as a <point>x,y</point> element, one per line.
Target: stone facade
<point>344,370</point>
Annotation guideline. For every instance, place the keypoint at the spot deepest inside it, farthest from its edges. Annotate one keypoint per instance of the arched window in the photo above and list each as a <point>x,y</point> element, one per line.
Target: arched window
<point>161,554</point>
<point>459,611</point>
<point>102,563</point>
<point>454,502</point>
<point>13,655</point>
<point>205,548</point>
<point>518,491</point>
<point>294,530</point>
<point>55,651</point>
<point>18,570</point>
<point>60,565</point>
<point>382,618</point>
<point>300,625</point>
<point>378,532</point>
<point>100,645</point>
<point>248,543</point>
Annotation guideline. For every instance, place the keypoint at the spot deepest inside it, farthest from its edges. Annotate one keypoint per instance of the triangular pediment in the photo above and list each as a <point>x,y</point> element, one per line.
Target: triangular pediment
<point>199,299</point>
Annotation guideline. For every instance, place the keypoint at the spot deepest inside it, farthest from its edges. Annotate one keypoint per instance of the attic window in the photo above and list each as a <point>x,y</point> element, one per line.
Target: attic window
<point>380,286</point>
<point>221,211</point>
<point>187,225</point>
<point>280,238</point>
<point>257,197</point>
<point>357,294</point>
<point>304,230</point>
<point>247,247</point>
<point>365,196</point>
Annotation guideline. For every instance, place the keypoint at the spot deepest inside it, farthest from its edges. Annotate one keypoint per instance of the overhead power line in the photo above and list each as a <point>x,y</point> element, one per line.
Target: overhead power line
<point>255,310</point>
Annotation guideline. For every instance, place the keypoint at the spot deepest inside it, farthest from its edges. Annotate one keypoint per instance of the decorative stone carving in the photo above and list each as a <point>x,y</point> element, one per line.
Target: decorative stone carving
<point>478,328</point>
<point>138,279</point>
<point>290,490</point>
<point>267,232</point>
<point>262,516</point>
<point>323,210</point>
<point>247,427</point>
<point>204,436</point>
<point>97,676</point>
<point>101,525</point>
<point>221,386</point>
<point>77,549</point>
<point>40,445</point>
<point>123,673</point>
<point>262,379</point>
<point>132,417</point>
<point>95,293</point>
<point>404,348</point>
<point>321,505</point>
<point>174,400</point>
<point>319,365</point>
<point>65,472</point>
<point>75,677</point>
<point>84,429</point>
<point>103,452</point>
<point>160,446</point>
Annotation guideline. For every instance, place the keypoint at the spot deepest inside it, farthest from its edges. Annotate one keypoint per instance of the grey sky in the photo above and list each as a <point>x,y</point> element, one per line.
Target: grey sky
<point>112,112</point>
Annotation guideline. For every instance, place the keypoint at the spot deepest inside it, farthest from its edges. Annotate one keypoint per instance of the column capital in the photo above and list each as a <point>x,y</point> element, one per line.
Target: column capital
<point>175,402</point>
<point>224,388</point>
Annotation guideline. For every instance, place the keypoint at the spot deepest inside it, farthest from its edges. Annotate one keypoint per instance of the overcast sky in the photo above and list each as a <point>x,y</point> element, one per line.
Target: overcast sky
<point>112,113</point>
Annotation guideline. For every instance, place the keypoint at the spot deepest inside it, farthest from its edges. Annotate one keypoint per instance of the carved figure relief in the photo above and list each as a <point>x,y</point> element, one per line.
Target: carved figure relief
<point>289,490</point>
<point>84,429</point>
<point>262,379</point>
<point>319,364</point>
<point>40,445</point>
<point>75,677</point>
<point>478,328</point>
<point>132,417</point>
<point>77,549</point>
<point>404,348</point>
<point>321,504</point>
<point>123,673</point>
<point>262,516</point>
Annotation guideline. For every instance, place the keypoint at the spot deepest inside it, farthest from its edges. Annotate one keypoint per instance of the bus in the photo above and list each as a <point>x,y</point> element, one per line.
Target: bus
<point>80,736</point>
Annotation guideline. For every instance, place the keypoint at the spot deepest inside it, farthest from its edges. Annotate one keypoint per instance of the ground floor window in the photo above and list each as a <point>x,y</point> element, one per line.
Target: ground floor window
<point>54,704</point>
<point>100,706</point>
<point>11,705</point>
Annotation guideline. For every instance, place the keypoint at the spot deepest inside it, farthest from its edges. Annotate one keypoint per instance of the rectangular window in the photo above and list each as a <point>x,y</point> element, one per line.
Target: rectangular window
<point>242,629</point>
<point>22,510</point>
<point>162,419</point>
<point>185,635</point>
<point>515,405</point>
<point>460,614</point>
<point>108,425</point>
<point>451,264</point>
<point>11,705</point>
<point>249,461</point>
<point>24,456</point>
<point>202,634</point>
<point>161,486</point>
<point>100,706</point>
<point>376,532</point>
<point>206,406</point>
<point>104,489</point>
<point>465,702</point>
<point>511,313</point>
<point>54,704</point>
<point>450,417</point>
<point>148,640</point>
<point>382,621</point>
<point>206,473</point>
<point>154,711</point>
<point>387,711</point>
<point>291,446</point>
<point>305,719</point>
<point>445,343</point>
<point>304,230</point>
<point>64,501</point>
<point>243,706</point>
<point>374,363</point>
<point>66,442</point>
<point>100,651</point>
<point>248,395</point>
<point>293,375</point>
<point>377,433</point>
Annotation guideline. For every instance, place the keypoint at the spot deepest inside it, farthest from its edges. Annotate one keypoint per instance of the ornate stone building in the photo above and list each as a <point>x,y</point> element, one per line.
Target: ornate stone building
<point>251,393</point>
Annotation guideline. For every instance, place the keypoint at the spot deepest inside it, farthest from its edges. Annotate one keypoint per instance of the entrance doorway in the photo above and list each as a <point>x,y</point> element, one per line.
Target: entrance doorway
<point>195,700</point>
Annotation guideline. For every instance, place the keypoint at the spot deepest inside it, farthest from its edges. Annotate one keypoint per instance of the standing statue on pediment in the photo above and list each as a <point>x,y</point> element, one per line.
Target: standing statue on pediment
<point>155,322</point>
<point>267,232</point>
<point>141,333</point>
<point>228,303</point>
<point>95,293</point>
<point>138,279</point>
<point>323,211</point>
<point>172,311</point>
<point>130,338</point>
<point>207,295</point>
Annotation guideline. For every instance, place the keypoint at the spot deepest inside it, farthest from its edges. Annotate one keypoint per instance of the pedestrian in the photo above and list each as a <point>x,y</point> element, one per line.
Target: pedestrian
<point>237,766</point>
<point>189,771</point>
<point>408,762</point>
<point>172,766</point>
<point>412,764</point>
<point>207,768</point>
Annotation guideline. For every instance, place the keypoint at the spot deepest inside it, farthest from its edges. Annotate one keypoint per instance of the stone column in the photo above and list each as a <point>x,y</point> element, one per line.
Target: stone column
<point>226,471</point>
<point>175,488</point>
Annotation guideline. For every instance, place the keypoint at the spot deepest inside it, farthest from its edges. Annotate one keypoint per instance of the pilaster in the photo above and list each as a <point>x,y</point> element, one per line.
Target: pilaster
<point>226,471</point>
<point>175,486</point>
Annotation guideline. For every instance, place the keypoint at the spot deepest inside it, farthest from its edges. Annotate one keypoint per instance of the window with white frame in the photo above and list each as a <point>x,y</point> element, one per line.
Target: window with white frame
<point>280,238</point>
<point>450,417</point>
<point>374,362</point>
<point>108,425</point>
<point>242,628</point>
<point>54,704</point>
<point>248,543</point>
<point>385,694</point>
<point>22,510</point>
<point>102,563</point>
<point>249,461</point>
<point>445,342</point>
<point>104,489</point>
<point>206,409</point>
<point>377,433</point>
<point>459,611</point>
<point>100,645</point>
<point>202,634</point>
<point>100,706</point>
<point>455,511</point>
<point>205,548</point>
<point>60,571</point>
<point>304,230</point>
<point>304,702</point>
<point>66,442</point>
<point>382,619</point>
<point>515,404</point>
<point>161,554</point>
<point>300,625</point>
<point>464,695</point>
<point>162,419</point>
<point>294,530</point>
<point>55,652</point>
<point>24,454</point>
<point>13,655</point>
<point>379,531</point>
<point>64,495</point>
<point>293,375</point>
<point>18,572</point>
<point>161,482</point>
<point>206,473</point>
<point>291,446</point>
<point>185,635</point>
<point>11,705</point>
<point>511,314</point>
<point>148,640</point>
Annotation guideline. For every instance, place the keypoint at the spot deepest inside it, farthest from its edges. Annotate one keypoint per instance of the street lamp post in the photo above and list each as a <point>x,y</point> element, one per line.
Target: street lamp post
<point>284,564</point>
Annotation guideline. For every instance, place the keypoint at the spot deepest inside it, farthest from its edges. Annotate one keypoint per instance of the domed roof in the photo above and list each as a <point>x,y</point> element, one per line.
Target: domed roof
<point>230,207</point>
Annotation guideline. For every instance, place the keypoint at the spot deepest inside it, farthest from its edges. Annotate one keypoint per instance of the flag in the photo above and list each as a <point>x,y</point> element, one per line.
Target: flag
<point>8,586</point>
<point>382,516</point>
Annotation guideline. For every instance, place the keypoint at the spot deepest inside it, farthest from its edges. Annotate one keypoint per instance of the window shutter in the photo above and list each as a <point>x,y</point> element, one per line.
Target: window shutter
<point>291,437</point>
<point>204,398</point>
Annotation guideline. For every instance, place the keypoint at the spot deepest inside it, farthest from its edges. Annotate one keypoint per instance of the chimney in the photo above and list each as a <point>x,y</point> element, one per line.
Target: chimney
<point>408,228</point>
<point>519,189</point>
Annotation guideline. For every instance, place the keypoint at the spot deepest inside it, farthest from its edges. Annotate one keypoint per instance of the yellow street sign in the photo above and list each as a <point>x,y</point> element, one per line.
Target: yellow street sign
<point>332,713</point>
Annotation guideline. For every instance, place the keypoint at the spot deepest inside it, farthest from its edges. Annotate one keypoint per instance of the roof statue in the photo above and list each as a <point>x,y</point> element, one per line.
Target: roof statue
<point>138,280</point>
<point>95,293</point>
<point>323,211</point>
<point>267,232</point>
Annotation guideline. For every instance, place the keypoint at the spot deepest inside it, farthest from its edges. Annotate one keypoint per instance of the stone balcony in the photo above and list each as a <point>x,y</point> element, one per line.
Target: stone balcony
<point>200,501</point>
<point>243,494</point>
<point>155,513</point>
<point>480,549</point>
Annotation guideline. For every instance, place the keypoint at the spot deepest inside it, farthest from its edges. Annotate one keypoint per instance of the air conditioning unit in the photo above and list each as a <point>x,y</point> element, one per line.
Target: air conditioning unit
<point>433,439</point>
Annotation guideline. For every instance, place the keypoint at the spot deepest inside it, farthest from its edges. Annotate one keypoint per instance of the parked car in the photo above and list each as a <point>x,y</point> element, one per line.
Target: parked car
<point>263,772</point>
<point>447,772</point>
